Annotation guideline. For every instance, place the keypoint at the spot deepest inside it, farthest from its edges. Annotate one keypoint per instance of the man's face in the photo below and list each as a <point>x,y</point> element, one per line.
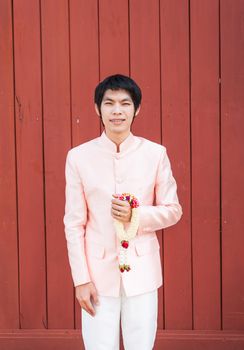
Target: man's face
<point>117,112</point>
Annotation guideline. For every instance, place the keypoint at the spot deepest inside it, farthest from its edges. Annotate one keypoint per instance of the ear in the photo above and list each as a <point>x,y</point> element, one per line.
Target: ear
<point>97,110</point>
<point>138,110</point>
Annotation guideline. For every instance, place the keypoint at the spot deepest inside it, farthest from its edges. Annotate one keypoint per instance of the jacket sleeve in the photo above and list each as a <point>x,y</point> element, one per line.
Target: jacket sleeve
<point>75,219</point>
<point>167,210</point>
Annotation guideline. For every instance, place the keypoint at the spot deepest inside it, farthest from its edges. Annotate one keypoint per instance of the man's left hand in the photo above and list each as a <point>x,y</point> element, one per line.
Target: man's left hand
<point>120,210</point>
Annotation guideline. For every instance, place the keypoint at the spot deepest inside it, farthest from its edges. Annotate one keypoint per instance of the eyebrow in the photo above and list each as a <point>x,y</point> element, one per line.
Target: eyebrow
<point>123,100</point>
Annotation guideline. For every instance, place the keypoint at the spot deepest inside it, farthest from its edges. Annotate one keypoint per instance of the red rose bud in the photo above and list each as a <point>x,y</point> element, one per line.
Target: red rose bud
<point>134,203</point>
<point>125,244</point>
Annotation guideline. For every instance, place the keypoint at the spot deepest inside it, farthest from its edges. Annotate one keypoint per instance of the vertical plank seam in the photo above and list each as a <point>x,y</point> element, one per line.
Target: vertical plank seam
<point>98,39</point>
<point>161,137</point>
<point>16,162</point>
<point>160,72</point>
<point>191,165</point>
<point>70,77</point>
<point>71,124</point>
<point>45,323</point>
<point>99,50</point>
<point>220,177</point>
<point>129,39</point>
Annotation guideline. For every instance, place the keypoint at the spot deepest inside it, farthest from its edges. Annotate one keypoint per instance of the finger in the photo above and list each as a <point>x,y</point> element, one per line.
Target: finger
<point>119,214</point>
<point>118,211</point>
<point>120,202</point>
<point>95,297</point>
<point>119,208</point>
<point>88,311</point>
<point>120,218</point>
<point>89,307</point>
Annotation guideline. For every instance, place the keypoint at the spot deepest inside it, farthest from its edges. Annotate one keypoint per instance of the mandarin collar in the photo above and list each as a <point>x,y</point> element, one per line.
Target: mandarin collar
<point>123,147</point>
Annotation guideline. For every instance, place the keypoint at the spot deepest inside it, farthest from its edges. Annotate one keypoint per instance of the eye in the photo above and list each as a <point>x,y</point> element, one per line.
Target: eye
<point>126,104</point>
<point>107,103</point>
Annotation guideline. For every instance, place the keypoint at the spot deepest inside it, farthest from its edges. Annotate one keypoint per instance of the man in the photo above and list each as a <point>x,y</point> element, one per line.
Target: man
<point>112,245</point>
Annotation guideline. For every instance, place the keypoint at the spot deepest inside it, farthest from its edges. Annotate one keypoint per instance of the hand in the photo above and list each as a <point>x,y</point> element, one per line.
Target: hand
<point>86,294</point>
<point>120,210</point>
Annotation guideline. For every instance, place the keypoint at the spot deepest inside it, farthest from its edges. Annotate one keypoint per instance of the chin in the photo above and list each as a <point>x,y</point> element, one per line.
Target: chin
<point>118,130</point>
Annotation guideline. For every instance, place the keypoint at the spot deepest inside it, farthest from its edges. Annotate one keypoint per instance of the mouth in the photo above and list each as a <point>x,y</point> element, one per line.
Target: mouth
<point>117,121</point>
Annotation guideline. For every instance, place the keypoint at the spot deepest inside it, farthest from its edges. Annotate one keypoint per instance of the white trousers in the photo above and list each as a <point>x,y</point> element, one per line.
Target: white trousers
<point>138,315</point>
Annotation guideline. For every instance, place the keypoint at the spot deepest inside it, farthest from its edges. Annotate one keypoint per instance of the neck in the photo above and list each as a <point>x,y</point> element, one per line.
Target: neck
<point>117,139</point>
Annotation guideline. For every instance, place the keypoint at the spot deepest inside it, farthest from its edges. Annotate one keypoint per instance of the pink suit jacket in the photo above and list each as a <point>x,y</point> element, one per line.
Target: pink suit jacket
<point>94,171</point>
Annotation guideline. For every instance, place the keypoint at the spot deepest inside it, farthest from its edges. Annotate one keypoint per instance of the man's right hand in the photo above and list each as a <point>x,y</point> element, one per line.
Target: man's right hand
<point>86,294</point>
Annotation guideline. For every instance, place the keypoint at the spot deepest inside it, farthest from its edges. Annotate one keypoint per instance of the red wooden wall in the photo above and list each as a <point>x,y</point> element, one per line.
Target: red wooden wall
<point>187,55</point>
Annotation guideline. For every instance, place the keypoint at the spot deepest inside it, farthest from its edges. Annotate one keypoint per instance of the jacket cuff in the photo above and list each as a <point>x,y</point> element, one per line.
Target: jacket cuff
<point>154,218</point>
<point>78,264</point>
<point>79,282</point>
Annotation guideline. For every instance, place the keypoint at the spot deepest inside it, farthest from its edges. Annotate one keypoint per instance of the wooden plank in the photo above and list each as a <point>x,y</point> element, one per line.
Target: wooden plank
<point>66,339</point>
<point>145,69</point>
<point>176,137</point>
<point>84,69</point>
<point>57,132</point>
<point>145,65</point>
<point>29,164</point>
<point>205,164</point>
<point>9,303</point>
<point>84,78</point>
<point>232,150</point>
<point>113,37</point>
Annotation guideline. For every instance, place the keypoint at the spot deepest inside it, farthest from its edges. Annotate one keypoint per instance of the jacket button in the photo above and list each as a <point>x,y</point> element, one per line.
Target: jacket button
<point>119,181</point>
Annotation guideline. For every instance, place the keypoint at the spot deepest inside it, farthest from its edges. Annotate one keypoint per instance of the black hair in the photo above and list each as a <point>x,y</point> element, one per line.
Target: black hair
<point>117,82</point>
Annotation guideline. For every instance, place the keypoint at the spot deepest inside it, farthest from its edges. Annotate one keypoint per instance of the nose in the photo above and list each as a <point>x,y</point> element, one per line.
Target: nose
<point>116,109</point>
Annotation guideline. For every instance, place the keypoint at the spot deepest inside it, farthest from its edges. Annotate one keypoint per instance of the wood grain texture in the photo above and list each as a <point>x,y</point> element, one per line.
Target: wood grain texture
<point>113,37</point>
<point>70,339</point>
<point>232,151</point>
<point>145,65</point>
<point>9,291</point>
<point>57,140</point>
<point>29,145</point>
<point>205,164</point>
<point>84,59</point>
<point>176,137</point>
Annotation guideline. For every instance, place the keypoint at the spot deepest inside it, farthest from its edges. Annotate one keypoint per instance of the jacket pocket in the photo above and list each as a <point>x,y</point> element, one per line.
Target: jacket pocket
<point>147,247</point>
<point>95,249</point>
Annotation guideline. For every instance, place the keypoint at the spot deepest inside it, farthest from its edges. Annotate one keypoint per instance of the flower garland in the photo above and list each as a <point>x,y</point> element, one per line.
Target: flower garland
<point>126,235</point>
